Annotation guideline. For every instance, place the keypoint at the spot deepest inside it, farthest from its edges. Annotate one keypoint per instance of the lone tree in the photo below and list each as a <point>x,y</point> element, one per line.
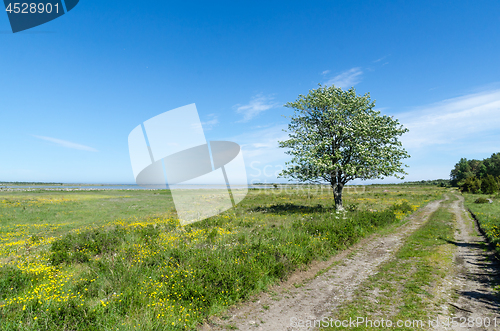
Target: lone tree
<point>335,136</point>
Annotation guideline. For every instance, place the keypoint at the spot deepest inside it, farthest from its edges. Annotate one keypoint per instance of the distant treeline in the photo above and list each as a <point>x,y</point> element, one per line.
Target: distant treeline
<point>477,176</point>
<point>432,182</point>
<point>28,183</point>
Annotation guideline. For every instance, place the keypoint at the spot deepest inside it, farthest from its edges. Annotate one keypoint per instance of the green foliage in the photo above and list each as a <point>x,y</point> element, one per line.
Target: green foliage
<point>488,216</point>
<point>489,185</point>
<point>80,247</point>
<point>402,207</point>
<point>461,172</point>
<point>465,169</point>
<point>471,185</point>
<point>486,185</point>
<point>335,136</point>
<point>290,208</point>
<point>433,182</point>
<point>352,207</point>
<point>12,281</point>
<point>203,279</point>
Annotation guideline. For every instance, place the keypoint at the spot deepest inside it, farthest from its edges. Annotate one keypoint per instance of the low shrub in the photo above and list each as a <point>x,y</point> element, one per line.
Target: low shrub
<point>489,185</point>
<point>80,247</point>
<point>471,185</point>
<point>481,200</point>
<point>352,207</point>
<point>12,280</point>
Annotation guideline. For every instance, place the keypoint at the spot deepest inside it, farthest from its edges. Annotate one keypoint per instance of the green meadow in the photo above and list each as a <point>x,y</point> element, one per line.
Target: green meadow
<point>487,214</point>
<point>120,260</point>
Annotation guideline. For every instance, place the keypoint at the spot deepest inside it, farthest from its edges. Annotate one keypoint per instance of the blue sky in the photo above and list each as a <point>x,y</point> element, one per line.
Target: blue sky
<point>73,89</point>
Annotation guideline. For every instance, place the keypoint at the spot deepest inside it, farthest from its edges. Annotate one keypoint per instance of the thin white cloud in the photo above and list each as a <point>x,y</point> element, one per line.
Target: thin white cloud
<point>442,133</point>
<point>67,144</point>
<point>263,157</point>
<point>325,72</point>
<point>467,119</point>
<point>380,59</point>
<point>347,78</point>
<point>262,145</point>
<point>257,105</point>
<point>213,121</point>
<point>207,125</point>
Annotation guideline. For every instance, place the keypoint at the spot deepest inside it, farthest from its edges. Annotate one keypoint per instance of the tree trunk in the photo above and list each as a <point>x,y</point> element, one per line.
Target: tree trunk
<point>337,194</point>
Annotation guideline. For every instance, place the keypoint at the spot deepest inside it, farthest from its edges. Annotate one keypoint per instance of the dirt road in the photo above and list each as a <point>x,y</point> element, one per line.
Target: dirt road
<point>472,301</point>
<point>317,298</point>
<point>306,296</point>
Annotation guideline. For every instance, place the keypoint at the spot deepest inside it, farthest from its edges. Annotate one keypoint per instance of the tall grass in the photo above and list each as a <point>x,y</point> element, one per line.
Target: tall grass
<point>488,216</point>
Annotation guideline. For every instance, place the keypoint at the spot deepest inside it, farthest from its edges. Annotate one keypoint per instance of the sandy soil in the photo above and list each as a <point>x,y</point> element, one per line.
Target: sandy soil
<point>471,299</point>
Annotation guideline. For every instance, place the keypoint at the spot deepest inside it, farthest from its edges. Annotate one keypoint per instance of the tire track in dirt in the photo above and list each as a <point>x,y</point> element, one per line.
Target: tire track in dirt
<point>476,272</point>
<point>320,296</point>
